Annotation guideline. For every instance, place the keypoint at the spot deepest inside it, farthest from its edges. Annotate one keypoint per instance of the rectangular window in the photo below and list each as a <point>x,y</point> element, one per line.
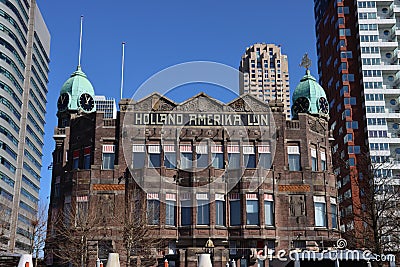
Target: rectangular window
<point>138,156</point>
<point>154,154</point>
<point>334,212</point>
<point>344,90</point>
<point>202,155</point>
<point>186,210</point>
<point>203,209</point>
<point>252,209</point>
<point>75,159</point>
<point>108,157</point>
<point>82,210</point>
<point>320,211</point>
<point>264,156</point>
<point>186,156</point>
<point>170,209</point>
<point>348,77</point>
<point>314,159</point>
<point>220,209</point>
<point>153,209</point>
<point>249,156</point>
<point>169,156</point>
<point>57,187</point>
<point>233,157</point>
<point>294,158</point>
<point>269,209</point>
<point>348,137</point>
<point>323,160</point>
<point>344,32</point>
<point>234,209</point>
<point>217,156</point>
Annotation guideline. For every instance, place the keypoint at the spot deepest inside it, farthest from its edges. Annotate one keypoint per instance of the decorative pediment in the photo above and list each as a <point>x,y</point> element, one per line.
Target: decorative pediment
<point>163,104</point>
<point>201,103</point>
<point>155,102</point>
<point>247,103</point>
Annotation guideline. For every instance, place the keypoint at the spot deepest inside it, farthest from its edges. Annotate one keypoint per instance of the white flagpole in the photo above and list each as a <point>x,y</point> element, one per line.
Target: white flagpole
<point>80,44</point>
<point>122,67</point>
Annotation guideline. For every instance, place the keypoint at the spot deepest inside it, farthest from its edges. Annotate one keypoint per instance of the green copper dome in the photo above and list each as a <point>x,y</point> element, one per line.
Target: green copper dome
<point>75,86</point>
<point>310,89</point>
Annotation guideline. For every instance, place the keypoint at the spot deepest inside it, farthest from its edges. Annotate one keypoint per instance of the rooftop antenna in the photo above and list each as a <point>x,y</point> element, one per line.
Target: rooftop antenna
<point>122,67</point>
<point>80,44</point>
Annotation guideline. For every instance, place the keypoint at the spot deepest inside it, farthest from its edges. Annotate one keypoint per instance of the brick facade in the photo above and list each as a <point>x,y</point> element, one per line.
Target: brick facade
<point>291,194</point>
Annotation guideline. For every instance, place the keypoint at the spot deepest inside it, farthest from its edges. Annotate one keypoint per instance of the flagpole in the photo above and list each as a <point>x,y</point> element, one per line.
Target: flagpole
<point>80,43</point>
<point>122,67</point>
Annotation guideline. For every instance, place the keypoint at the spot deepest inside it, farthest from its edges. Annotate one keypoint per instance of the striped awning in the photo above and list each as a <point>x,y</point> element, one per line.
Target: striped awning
<point>268,197</point>
<point>313,152</point>
<point>185,196</point>
<point>234,196</point>
<point>319,199</point>
<point>82,199</point>
<point>219,196</point>
<point>217,149</point>
<point>233,149</point>
<point>76,154</point>
<point>169,148</point>
<point>323,155</point>
<point>154,149</point>
<point>264,149</point>
<point>152,196</point>
<point>185,148</point>
<point>86,150</point>
<point>108,148</point>
<point>202,196</point>
<point>138,148</point>
<point>293,150</point>
<point>170,196</point>
<point>248,149</point>
<point>251,196</point>
<point>202,149</point>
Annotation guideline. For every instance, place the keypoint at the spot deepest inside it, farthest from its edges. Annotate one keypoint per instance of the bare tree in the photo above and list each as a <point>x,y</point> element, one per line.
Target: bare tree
<point>72,230</point>
<point>139,237</point>
<point>379,206</point>
<point>38,229</point>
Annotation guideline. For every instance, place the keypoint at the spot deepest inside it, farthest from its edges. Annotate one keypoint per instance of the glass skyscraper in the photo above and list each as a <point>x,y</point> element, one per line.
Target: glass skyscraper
<point>24,67</point>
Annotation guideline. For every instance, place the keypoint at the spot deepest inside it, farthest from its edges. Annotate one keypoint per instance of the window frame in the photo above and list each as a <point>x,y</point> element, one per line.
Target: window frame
<point>252,218</point>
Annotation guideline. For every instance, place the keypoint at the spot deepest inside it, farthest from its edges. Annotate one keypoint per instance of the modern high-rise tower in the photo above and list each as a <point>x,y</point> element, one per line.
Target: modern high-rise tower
<point>265,74</point>
<point>358,62</point>
<point>24,67</point>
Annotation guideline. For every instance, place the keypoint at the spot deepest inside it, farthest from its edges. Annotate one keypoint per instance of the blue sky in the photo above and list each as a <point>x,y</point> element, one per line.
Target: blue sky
<point>160,34</point>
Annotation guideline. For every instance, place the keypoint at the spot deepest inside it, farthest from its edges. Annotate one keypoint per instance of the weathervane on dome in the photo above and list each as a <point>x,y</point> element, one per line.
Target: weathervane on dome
<point>305,62</point>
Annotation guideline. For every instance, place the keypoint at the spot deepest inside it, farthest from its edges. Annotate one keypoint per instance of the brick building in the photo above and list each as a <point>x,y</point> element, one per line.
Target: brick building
<point>238,174</point>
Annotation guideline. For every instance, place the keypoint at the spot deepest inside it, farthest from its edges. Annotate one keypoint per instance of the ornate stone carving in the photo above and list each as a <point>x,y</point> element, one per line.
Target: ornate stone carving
<point>163,105</point>
<point>144,105</point>
<point>238,105</point>
<point>206,104</point>
<point>297,205</point>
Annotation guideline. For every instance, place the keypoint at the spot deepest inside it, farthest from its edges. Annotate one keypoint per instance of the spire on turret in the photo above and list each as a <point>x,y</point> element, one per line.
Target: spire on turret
<point>80,44</point>
<point>309,97</point>
<point>77,93</point>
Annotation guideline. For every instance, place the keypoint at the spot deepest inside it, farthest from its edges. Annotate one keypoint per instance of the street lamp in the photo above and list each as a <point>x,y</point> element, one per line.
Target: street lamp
<point>209,247</point>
